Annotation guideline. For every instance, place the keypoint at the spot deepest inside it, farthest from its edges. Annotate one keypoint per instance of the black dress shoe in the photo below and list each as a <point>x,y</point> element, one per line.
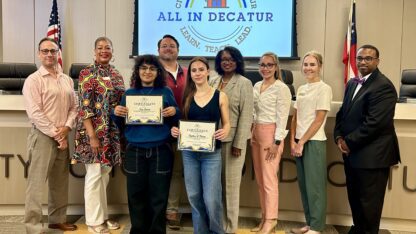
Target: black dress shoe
<point>353,230</point>
<point>63,226</point>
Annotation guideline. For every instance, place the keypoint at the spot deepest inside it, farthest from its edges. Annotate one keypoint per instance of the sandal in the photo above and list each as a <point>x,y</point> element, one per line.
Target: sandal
<point>112,225</point>
<point>300,230</point>
<point>99,229</point>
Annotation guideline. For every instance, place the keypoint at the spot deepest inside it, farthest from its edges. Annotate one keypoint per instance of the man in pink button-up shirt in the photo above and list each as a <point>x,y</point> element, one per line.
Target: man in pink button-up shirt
<point>51,107</point>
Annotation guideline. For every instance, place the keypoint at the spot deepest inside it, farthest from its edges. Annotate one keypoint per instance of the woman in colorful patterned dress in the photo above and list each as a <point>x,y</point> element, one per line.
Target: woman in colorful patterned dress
<point>97,139</point>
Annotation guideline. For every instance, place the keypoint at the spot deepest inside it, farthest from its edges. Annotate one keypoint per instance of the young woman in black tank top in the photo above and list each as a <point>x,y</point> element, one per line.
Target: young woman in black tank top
<point>203,170</point>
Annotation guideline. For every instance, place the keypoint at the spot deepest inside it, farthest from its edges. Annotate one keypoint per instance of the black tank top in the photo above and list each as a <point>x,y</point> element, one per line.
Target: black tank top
<point>210,112</point>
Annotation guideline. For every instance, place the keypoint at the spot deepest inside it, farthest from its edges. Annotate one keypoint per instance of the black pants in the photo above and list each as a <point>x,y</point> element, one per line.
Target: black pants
<point>366,189</point>
<point>148,178</point>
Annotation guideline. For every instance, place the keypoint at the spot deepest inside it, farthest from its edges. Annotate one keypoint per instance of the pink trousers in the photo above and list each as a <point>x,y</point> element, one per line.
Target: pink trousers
<point>266,172</point>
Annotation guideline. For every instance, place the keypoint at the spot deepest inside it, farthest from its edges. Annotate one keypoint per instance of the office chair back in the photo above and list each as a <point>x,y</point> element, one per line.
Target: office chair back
<point>74,72</point>
<point>13,75</point>
<point>408,86</point>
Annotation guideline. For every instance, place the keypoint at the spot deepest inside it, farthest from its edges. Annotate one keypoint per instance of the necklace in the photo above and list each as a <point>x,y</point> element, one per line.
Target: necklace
<point>222,81</point>
<point>203,93</point>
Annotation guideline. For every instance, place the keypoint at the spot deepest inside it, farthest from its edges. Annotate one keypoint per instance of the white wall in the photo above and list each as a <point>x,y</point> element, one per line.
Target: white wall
<point>321,25</point>
<point>25,23</point>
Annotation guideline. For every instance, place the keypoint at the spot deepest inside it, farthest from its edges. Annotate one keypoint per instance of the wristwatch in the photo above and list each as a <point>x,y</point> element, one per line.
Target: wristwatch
<point>277,142</point>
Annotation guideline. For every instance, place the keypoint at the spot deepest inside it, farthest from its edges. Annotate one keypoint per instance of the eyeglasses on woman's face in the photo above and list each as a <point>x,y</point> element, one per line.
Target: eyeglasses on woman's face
<point>144,68</point>
<point>267,65</point>
<point>227,60</point>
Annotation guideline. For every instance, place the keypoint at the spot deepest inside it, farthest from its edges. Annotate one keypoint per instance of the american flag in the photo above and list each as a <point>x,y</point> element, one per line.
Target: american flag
<point>350,47</point>
<point>54,29</point>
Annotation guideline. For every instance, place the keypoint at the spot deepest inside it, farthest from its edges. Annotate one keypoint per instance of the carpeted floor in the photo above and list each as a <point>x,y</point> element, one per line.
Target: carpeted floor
<point>13,225</point>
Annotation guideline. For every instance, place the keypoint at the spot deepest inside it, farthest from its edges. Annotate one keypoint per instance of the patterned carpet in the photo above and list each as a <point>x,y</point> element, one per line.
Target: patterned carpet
<point>245,225</point>
<point>14,225</point>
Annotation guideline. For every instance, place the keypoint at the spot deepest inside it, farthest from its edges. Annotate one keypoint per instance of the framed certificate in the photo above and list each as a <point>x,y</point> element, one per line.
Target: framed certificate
<point>144,109</point>
<point>196,136</point>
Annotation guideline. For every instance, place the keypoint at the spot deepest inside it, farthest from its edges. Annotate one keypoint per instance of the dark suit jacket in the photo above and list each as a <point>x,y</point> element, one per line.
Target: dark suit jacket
<point>366,123</point>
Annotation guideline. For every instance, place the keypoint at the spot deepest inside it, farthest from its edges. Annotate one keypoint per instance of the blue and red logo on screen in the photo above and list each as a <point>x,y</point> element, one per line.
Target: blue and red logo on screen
<point>210,25</point>
<point>216,3</point>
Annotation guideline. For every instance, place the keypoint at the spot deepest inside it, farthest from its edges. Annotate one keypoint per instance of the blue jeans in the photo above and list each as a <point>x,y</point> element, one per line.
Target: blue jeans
<point>203,186</point>
<point>148,172</point>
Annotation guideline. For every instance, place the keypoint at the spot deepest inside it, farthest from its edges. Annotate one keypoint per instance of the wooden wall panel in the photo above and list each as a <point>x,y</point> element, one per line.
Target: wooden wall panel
<point>408,47</point>
<point>336,29</point>
<point>82,22</point>
<point>121,13</point>
<point>18,30</point>
<point>379,22</point>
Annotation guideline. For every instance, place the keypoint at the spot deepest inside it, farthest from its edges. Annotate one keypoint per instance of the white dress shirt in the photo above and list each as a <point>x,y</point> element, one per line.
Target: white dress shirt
<point>50,102</point>
<point>272,106</point>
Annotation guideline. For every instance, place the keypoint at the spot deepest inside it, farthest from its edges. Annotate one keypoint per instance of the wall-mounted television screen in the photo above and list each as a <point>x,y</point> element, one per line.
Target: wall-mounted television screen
<point>203,27</point>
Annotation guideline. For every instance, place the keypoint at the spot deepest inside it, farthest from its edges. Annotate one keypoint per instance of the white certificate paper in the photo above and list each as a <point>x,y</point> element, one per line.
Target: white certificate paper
<point>196,136</point>
<point>144,109</point>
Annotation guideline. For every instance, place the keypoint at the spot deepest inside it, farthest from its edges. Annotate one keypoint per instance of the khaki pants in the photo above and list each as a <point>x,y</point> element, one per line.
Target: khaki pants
<point>47,163</point>
<point>177,182</point>
<point>231,179</point>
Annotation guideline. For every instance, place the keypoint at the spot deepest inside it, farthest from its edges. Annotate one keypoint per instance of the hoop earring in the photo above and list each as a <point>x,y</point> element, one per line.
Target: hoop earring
<point>113,59</point>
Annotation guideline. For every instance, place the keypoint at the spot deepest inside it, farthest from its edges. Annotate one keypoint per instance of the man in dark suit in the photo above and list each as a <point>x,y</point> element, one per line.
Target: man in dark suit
<point>364,132</point>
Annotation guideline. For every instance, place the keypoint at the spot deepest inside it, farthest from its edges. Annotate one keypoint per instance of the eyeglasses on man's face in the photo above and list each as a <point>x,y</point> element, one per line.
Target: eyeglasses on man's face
<point>267,65</point>
<point>46,51</point>
<point>168,46</point>
<point>367,59</point>
<point>145,68</point>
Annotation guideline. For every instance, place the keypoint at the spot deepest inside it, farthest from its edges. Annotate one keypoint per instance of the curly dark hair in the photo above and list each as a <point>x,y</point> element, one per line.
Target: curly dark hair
<point>236,55</point>
<point>148,59</point>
